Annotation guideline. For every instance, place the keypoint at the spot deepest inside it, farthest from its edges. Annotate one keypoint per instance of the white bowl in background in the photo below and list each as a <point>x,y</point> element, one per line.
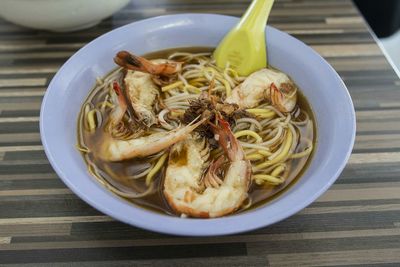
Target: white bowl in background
<point>59,15</point>
<point>321,85</point>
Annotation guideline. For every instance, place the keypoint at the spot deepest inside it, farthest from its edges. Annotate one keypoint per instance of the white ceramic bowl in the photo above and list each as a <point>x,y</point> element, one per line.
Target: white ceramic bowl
<point>58,15</point>
<point>321,85</point>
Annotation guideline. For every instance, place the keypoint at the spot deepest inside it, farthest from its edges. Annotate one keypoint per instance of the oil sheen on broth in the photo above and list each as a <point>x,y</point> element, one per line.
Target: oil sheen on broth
<point>114,172</point>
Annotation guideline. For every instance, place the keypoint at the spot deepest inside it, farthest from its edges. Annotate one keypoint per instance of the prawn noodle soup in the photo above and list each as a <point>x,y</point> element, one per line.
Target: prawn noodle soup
<point>180,136</point>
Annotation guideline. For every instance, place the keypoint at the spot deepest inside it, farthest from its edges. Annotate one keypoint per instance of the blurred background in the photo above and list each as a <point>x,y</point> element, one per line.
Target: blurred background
<point>384,19</point>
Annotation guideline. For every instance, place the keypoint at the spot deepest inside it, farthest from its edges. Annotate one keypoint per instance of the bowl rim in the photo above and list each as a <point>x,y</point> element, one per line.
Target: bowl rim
<point>215,226</point>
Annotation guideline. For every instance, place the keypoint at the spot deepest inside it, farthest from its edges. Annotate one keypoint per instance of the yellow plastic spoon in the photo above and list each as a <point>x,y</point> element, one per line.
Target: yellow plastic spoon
<point>244,46</point>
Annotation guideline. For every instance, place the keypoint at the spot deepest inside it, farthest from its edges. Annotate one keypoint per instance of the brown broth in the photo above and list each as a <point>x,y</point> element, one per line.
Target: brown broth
<point>116,171</point>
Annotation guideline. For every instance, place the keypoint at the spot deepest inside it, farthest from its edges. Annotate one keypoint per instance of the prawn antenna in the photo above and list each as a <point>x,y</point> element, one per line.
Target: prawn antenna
<point>195,119</point>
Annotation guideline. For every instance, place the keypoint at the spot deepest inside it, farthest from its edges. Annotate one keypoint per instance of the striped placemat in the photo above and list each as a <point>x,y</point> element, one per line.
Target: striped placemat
<point>357,222</point>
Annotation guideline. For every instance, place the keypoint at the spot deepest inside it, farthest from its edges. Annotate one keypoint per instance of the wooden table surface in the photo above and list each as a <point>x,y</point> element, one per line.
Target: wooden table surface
<point>356,222</point>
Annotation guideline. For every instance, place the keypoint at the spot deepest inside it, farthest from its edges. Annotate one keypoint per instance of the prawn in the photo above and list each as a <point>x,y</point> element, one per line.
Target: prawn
<point>265,84</point>
<point>190,192</point>
<point>111,149</point>
<point>139,82</point>
<point>118,150</point>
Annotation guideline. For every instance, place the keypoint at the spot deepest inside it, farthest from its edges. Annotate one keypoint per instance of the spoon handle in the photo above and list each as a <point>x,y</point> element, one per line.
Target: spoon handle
<point>243,48</point>
<point>256,16</point>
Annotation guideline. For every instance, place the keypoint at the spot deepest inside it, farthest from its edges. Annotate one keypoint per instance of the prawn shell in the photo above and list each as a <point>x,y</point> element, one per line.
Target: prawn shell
<point>184,186</point>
